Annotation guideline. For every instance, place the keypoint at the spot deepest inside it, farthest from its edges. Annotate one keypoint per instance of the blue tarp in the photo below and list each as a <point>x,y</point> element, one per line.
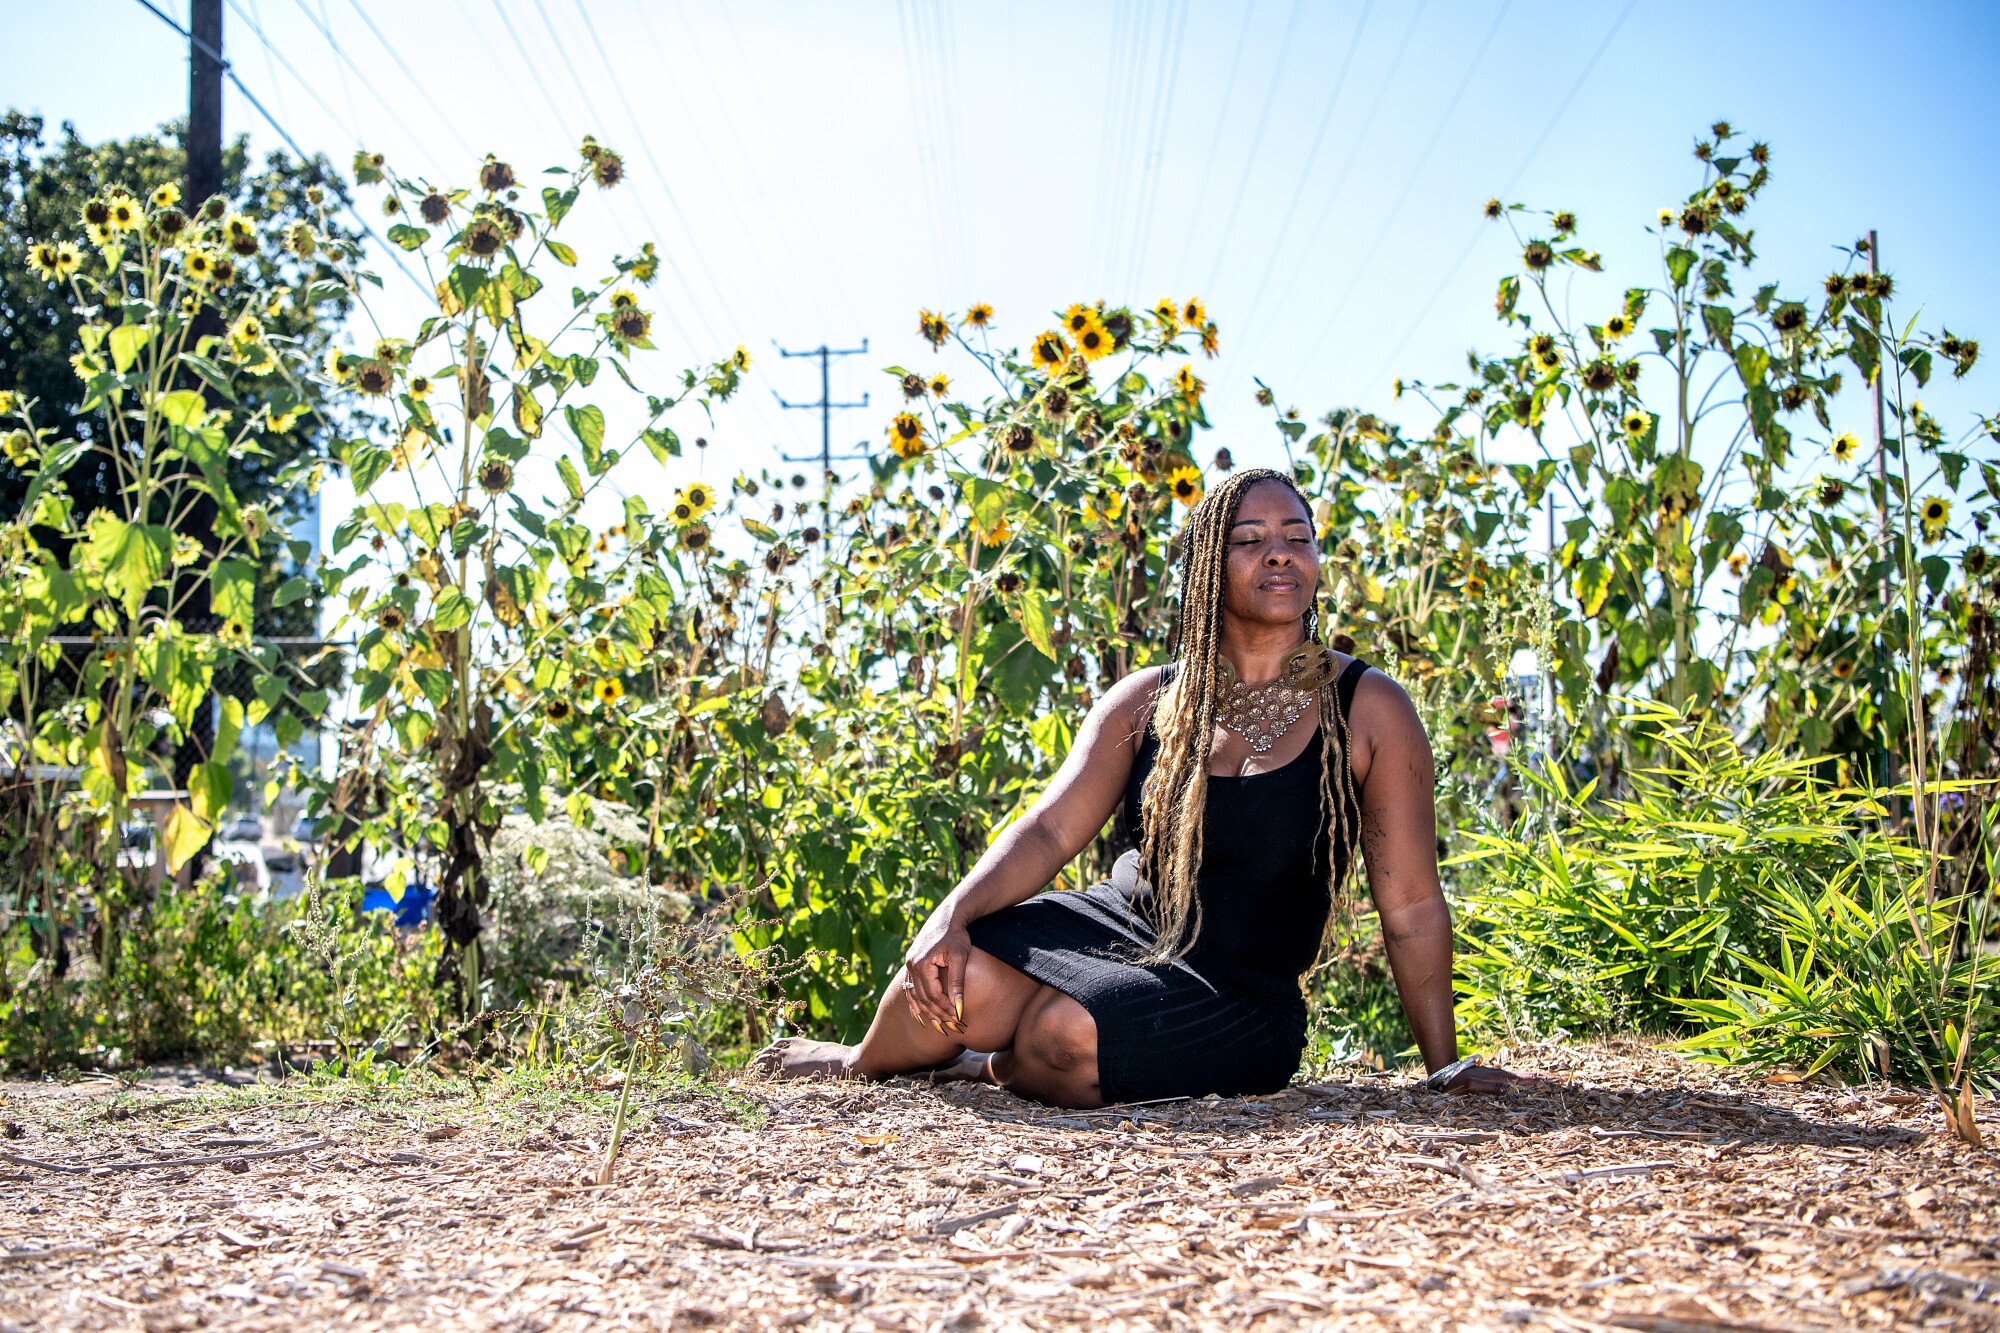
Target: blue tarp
<point>413,909</point>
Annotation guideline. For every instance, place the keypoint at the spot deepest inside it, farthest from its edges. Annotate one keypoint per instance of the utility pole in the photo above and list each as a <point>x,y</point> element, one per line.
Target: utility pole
<point>825,407</point>
<point>203,147</point>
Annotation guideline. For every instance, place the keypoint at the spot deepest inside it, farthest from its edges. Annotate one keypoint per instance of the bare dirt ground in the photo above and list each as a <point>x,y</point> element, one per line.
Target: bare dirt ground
<point>1644,1192</point>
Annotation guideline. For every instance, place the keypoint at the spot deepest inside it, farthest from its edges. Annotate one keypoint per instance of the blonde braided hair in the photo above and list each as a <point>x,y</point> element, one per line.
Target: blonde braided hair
<point>1175,798</point>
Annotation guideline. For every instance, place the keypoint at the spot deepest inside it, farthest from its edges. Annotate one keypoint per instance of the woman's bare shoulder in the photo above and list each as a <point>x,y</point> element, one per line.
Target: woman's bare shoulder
<point>1384,721</point>
<point>1127,704</point>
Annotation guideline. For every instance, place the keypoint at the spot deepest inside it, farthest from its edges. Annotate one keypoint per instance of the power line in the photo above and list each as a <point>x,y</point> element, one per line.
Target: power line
<point>1106,198</point>
<point>1312,157</point>
<point>1256,140</point>
<point>1156,147</point>
<point>1127,131</point>
<point>1520,171</point>
<point>826,408</point>
<point>418,84</point>
<point>933,203</point>
<point>282,133</point>
<point>1215,140</point>
<point>1361,269</point>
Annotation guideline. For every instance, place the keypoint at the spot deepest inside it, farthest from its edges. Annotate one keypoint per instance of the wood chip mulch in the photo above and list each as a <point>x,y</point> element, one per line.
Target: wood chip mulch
<point>1642,1192</point>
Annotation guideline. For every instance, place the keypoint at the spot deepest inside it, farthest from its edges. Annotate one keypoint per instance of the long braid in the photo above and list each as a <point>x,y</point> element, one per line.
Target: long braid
<point>1175,798</point>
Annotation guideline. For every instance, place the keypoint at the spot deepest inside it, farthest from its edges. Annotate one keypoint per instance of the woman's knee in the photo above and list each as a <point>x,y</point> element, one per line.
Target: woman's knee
<point>1059,1035</point>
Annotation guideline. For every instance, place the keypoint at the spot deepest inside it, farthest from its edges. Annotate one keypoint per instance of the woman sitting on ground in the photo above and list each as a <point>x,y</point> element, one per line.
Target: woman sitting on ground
<point>1186,981</point>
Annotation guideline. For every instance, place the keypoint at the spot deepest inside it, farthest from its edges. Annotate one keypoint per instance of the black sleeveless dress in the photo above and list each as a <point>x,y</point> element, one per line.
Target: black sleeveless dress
<point>1228,1017</point>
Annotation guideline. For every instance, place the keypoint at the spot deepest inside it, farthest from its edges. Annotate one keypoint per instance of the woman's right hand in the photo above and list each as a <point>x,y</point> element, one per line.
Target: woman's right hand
<point>934,972</point>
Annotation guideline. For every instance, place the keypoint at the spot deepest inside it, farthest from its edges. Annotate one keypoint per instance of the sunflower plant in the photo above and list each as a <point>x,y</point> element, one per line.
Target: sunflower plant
<point>129,656</point>
<point>511,648</point>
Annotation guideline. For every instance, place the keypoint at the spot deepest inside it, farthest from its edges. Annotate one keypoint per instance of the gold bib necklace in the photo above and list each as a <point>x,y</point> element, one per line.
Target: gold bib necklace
<point>1260,714</point>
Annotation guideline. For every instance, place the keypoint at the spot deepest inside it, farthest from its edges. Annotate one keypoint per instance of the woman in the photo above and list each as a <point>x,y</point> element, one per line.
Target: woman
<point>1248,768</point>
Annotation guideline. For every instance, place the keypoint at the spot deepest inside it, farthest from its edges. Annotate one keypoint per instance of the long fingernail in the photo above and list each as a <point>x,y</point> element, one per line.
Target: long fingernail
<point>958,1006</point>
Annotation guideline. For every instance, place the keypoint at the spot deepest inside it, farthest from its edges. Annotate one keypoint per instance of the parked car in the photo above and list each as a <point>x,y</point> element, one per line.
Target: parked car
<point>243,828</point>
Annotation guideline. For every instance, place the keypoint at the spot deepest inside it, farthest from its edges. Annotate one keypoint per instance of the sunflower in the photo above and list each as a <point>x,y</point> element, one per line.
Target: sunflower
<point>1843,668</point>
<point>1050,351</point>
<point>391,618</point>
<point>42,259</point>
<point>1617,327</point>
<point>1193,313</point>
<point>225,270</point>
<point>1185,483</point>
<point>247,329</point>
<point>700,497</point>
<point>695,536</point>
<point>1564,222</point>
<point>913,386</point>
<point>631,323</point>
<point>1210,342</point>
<point>87,365</point>
<point>1107,507</point>
<point>872,557</point>
<point>124,212</point>
<point>1492,209</point>
<point>1538,255</point>
<point>199,267</point>
<point>96,214</point>
<point>166,195</point>
<point>495,176</point>
<point>556,710</point>
<point>1666,217</point>
<point>740,358</point>
<point>1093,339</point>
<point>1845,447</point>
<point>1078,318</point>
<point>906,435</point>
<point>1019,441</point>
<point>1190,387</point>
<point>608,690</point>
<point>482,239</point>
<point>1637,422</point>
<point>997,534</point>
<point>495,476</point>
<point>373,378</point>
<point>1168,314</point>
<point>933,327</point>
<point>607,168</point>
<point>237,227</point>
<point>980,315</point>
<point>1934,515</point>
<point>1600,377</point>
<point>939,385</point>
<point>1738,562</point>
<point>419,387</point>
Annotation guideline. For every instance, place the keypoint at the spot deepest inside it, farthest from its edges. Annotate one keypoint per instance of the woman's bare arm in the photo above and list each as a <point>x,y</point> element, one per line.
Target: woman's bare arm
<point>1399,847</point>
<point>1031,852</point>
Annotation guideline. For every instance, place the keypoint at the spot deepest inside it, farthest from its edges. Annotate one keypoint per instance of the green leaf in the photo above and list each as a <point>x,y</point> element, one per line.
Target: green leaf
<point>1037,620</point>
<point>663,442</point>
<point>186,833</point>
<point>557,203</point>
<point>1680,263</point>
<point>131,556</point>
<point>562,254</point>
<point>453,610</point>
<point>1720,321</point>
<point>988,499</point>
<point>527,412</point>
<point>210,786</point>
<point>235,589</point>
<point>763,532</point>
<point>587,423</point>
<point>182,407</point>
<point>407,236</point>
<point>570,480</point>
<point>126,340</point>
<point>366,465</point>
<point>435,684</point>
<point>228,725</point>
<point>293,589</point>
<point>465,283</point>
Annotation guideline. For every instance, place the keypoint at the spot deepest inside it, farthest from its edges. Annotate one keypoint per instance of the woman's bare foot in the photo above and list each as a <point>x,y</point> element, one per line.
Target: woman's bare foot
<point>969,1067</point>
<point>798,1057</point>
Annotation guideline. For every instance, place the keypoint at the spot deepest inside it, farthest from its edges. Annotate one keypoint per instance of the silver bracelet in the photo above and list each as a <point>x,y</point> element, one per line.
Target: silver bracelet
<point>1436,1082</point>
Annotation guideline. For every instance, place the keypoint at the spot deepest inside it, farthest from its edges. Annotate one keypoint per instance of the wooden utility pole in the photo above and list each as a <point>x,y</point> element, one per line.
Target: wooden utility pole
<point>203,147</point>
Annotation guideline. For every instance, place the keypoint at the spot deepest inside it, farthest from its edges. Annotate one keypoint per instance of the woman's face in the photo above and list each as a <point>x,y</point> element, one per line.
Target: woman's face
<point>1273,565</point>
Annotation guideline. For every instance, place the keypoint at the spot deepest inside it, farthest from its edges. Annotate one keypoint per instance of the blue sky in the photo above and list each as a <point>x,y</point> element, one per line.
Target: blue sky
<point>818,172</point>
